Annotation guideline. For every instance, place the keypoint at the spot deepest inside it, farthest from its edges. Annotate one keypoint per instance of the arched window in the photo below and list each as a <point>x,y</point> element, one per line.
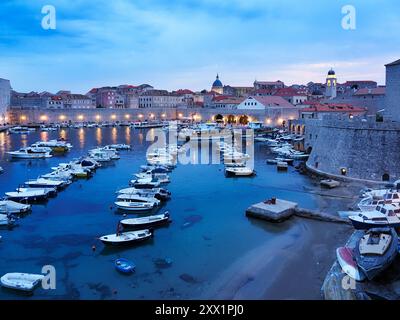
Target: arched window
<point>385,177</point>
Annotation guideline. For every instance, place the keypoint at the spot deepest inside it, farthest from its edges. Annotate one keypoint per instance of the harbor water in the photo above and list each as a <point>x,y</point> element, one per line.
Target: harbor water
<point>208,233</point>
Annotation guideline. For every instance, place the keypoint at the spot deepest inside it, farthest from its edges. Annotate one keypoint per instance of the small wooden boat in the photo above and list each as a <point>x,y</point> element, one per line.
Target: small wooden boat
<point>282,166</point>
<point>149,221</point>
<point>124,265</point>
<point>21,281</point>
<point>125,238</point>
<point>12,207</point>
<point>239,171</point>
<point>345,257</point>
<point>134,206</point>
<point>376,250</point>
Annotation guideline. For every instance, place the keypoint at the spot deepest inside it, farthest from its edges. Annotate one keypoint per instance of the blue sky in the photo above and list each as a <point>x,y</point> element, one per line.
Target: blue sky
<point>184,43</point>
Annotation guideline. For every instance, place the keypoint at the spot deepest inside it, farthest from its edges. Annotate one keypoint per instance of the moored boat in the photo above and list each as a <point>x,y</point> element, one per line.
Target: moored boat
<point>134,206</point>
<point>346,259</point>
<point>129,237</point>
<point>12,207</point>
<point>124,265</point>
<point>149,221</point>
<point>376,250</point>
<point>21,281</point>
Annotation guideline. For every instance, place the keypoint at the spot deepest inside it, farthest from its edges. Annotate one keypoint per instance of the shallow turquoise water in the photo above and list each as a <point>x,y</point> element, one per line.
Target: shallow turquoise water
<point>63,231</point>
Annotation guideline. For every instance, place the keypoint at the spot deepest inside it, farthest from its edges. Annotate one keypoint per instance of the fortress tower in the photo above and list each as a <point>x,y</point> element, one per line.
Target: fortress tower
<point>392,98</point>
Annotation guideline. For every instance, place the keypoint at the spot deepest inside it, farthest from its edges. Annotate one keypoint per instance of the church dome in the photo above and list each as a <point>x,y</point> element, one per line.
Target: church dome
<point>331,72</point>
<point>217,83</point>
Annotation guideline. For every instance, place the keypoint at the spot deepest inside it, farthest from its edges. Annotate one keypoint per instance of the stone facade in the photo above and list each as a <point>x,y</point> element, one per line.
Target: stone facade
<point>392,99</point>
<point>358,149</point>
<point>5,90</point>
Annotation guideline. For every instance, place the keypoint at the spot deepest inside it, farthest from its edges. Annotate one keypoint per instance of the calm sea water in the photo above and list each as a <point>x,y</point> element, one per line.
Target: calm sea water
<point>208,233</point>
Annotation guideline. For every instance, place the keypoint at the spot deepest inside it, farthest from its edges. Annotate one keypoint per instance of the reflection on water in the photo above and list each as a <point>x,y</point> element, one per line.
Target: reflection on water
<point>44,136</point>
<point>128,135</point>
<point>81,137</point>
<point>99,136</point>
<point>63,134</point>
<point>114,135</point>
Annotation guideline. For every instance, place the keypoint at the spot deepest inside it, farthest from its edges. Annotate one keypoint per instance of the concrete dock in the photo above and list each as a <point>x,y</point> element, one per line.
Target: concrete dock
<point>283,210</point>
<point>277,212</point>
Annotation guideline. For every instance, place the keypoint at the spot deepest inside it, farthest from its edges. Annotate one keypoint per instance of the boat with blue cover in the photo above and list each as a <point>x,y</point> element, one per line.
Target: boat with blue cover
<point>124,265</point>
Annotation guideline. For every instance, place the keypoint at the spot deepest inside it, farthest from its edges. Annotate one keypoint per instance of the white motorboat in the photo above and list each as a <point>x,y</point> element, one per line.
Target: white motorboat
<point>30,153</point>
<point>21,130</point>
<point>158,193</point>
<point>160,177</point>
<point>45,183</point>
<point>28,195</point>
<point>370,202</point>
<point>120,146</point>
<point>49,191</point>
<point>146,183</point>
<point>137,198</point>
<point>59,174</point>
<point>282,166</point>
<point>21,281</point>
<point>55,145</point>
<point>124,238</point>
<point>387,215</point>
<point>6,220</point>
<point>12,207</point>
<point>239,171</point>
<point>134,206</point>
<point>149,221</point>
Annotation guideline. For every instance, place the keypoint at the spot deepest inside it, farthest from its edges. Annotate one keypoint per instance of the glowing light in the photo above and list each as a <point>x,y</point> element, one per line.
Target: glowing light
<point>180,115</point>
<point>98,117</point>
<point>140,116</point>
<point>152,115</point>
<point>268,120</point>
<point>81,117</point>
<point>23,118</point>
<point>62,117</point>
<point>163,115</point>
<point>127,116</point>
<point>113,117</point>
<point>280,121</point>
<point>43,118</point>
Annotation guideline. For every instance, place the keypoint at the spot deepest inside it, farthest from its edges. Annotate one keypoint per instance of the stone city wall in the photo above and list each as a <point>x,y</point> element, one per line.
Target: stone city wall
<point>357,149</point>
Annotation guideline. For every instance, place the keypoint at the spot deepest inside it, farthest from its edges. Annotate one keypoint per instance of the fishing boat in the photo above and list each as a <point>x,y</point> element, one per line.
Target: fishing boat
<point>12,207</point>
<point>124,265</point>
<point>45,183</point>
<point>149,221</point>
<point>147,183</point>
<point>125,238</point>
<point>30,153</point>
<point>134,206</point>
<point>376,250</point>
<point>387,215</point>
<point>346,259</point>
<point>6,220</point>
<point>58,146</point>
<point>28,195</point>
<point>21,130</point>
<point>282,166</point>
<point>137,198</point>
<point>21,281</point>
<point>162,178</point>
<point>158,193</point>
<point>120,146</point>
<point>239,171</point>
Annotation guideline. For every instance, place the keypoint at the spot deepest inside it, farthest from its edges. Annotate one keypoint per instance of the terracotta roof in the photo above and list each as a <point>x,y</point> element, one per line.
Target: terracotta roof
<point>374,91</point>
<point>184,91</point>
<point>271,101</point>
<point>288,92</point>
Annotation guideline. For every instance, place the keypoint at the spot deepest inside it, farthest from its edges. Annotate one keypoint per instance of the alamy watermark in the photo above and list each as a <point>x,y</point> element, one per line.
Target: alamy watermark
<point>349,20</point>
<point>49,280</point>
<point>49,21</point>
